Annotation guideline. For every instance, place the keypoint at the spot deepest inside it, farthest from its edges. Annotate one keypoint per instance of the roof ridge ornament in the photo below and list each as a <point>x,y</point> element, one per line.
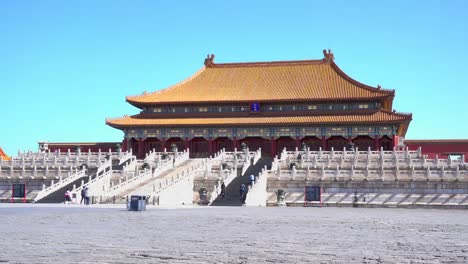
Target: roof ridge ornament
<point>328,56</point>
<point>209,61</point>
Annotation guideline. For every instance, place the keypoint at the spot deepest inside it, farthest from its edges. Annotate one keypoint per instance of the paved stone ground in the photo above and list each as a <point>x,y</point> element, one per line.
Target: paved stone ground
<point>74,234</point>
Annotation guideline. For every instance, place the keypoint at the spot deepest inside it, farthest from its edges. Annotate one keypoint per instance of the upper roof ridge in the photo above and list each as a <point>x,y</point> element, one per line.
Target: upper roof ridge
<point>265,81</point>
<point>265,63</point>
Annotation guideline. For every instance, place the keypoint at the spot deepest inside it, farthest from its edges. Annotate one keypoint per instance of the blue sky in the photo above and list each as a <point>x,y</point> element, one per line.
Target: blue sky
<point>67,65</point>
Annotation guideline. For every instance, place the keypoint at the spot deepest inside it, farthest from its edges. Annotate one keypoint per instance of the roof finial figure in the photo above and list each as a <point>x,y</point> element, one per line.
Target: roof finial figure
<point>209,61</point>
<point>379,87</point>
<point>328,56</point>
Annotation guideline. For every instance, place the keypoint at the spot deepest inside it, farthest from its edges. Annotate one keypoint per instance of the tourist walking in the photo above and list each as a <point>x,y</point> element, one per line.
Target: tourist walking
<point>86,194</point>
<point>83,199</point>
<point>223,190</point>
<point>67,196</point>
<point>243,192</point>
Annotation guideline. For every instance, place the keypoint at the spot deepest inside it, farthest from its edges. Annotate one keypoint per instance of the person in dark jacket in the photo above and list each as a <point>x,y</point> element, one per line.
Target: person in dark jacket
<point>223,190</point>
<point>243,193</point>
<point>83,199</point>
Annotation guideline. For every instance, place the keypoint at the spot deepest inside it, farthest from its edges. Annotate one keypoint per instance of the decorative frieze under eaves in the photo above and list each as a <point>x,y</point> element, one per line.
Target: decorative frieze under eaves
<point>265,132</point>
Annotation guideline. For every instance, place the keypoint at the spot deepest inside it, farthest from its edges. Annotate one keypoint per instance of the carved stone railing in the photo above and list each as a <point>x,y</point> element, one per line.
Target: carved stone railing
<point>361,159</point>
<point>146,174</point>
<point>35,172</point>
<point>257,194</point>
<point>372,174</point>
<point>99,183</point>
<point>128,155</point>
<point>231,175</point>
<point>60,184</point>
<point>166,183</point>
<point>91,159</point>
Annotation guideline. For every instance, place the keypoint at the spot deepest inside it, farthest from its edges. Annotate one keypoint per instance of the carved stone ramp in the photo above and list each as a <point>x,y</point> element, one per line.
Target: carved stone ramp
<point>232,197</point>
<point>146,187</point>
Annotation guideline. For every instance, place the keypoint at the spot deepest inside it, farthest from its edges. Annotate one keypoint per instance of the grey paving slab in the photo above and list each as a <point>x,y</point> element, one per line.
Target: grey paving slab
<point>110,234</point>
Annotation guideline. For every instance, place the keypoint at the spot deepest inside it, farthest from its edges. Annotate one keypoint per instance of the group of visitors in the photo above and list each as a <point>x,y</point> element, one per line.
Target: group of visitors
<point>243,189</point>
<point>84,196</point>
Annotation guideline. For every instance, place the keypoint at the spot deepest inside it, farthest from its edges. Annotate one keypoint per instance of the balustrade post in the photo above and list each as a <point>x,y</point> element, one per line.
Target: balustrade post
<point>322,173</point>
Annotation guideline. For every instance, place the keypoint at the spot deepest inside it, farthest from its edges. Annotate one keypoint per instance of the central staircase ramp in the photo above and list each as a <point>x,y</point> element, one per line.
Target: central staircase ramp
<point>232,194</point>
<point>149,186</point>
<point>56,192</point>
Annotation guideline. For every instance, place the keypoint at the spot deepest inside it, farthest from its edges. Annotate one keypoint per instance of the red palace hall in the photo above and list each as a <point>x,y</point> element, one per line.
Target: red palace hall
<point>267,105</point>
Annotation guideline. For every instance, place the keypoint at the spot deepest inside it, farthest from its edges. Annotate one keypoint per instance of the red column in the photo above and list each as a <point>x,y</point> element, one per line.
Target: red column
<point>350,139</point>
<point>395,141</point>
<point>376,143</point>
<point>125,144</point>
<point>163,141</point>
<point>274,152</point>
<point>298,142</point>
<point>140,148</point>
<point>210,146</point>
<point>235,143</point>
<point>186,146</point>
<point>324,143</point>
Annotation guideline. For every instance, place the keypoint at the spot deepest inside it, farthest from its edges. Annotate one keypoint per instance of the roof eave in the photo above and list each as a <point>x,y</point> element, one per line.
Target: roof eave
<point>141,104</point>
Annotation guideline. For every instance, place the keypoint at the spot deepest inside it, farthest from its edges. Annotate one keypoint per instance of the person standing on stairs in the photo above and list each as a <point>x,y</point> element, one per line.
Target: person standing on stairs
<point>252,180</point>
<point>223,190</point>
<point>243,193</point>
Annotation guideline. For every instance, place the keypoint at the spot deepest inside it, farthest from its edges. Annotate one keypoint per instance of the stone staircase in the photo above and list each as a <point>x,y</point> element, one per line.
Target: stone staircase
<point>232,197</point>
<point>147,187</point>
<point>59,195</point>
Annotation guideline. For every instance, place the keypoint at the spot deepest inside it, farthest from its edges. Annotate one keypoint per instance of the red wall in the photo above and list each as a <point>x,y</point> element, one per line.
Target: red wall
<point>442,148</point>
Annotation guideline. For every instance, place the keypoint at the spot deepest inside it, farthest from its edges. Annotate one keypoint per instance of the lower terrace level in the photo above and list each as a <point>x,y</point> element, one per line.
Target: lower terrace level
<point>203,147</point>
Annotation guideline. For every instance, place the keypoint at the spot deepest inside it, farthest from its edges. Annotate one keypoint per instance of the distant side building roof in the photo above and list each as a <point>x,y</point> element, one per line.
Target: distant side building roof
<point>3,155</point>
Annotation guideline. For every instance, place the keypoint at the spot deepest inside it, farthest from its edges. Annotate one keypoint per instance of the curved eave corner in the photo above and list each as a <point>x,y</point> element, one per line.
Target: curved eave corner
<point>134,102</point>
<point>389,93</point>
<point>110,122</point>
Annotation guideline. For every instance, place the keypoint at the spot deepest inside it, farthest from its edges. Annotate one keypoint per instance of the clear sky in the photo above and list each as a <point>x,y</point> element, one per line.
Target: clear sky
<point>67,65</point>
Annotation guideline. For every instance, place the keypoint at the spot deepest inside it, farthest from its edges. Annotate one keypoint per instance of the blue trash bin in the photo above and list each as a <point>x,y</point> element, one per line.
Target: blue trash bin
<point>137,203</point>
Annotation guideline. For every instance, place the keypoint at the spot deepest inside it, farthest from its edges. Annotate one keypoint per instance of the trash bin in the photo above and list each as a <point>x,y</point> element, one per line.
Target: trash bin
<point>137,203</point>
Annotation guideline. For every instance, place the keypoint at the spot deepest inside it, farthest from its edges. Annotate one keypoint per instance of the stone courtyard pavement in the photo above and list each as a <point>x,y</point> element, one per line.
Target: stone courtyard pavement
<point>110,234</point>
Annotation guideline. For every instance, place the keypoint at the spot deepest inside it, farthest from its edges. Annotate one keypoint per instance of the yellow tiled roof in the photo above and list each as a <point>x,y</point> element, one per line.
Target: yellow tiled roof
<point>376,117</point>
<point>264,81</point>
